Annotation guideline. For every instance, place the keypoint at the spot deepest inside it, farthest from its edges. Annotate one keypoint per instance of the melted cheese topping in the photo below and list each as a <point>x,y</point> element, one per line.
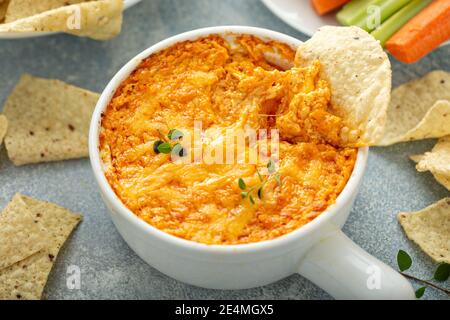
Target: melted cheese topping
<point>226,88</point>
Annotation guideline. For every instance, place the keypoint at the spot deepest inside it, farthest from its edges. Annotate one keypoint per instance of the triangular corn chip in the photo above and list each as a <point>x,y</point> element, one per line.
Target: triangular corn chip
<point>443,179</point>
<point>26,279</point>
<point>20,234</point>
<point>438,160</point>
<point>430,229</point>
<point>100,20</point>
<point>48,120</point>
<point>19,9</point>
<point>419,109</point>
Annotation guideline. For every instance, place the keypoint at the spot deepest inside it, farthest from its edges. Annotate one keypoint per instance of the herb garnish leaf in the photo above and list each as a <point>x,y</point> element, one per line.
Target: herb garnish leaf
<point>164,147</point>
<point>258,189</point>
<point>156,145</point>
<point>242,184</point>
<point>420,292</point>
<point>442,272</point>
<point>404,261</point>
<point>260,193</point>
<point>179,150</point>
<point>271,166</point>
<point>175,134</point>
<point>278,179</point>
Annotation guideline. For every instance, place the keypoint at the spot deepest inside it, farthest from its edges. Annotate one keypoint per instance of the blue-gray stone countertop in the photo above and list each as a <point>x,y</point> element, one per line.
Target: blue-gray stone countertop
<point>109,269</point>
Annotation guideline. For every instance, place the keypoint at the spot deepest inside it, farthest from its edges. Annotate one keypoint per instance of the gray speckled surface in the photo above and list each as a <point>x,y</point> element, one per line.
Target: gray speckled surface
<point>110,270</point>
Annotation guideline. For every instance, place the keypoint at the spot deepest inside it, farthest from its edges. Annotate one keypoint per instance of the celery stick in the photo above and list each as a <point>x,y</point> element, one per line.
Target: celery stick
<point>398,19</point>
<point>354,11</point>
<point>386,9</point>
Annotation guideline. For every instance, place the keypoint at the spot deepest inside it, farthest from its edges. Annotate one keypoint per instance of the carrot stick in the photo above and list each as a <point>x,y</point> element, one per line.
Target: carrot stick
<point>423,33</point>
<point>324,6</point>
<point>398,20</point>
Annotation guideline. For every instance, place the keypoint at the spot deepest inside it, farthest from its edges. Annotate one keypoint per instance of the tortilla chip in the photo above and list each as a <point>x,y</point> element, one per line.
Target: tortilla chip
<point>48,121</point>
<point>419,109</point>
<point>438,160</point>
<point>100,20</point>
<point>27,278</point>
<point>20,234</point>
<point>3,8</point>
<point>430,229</point>
<point>442,179</point>
<point>19,9</point>
<point>359,72</point>
<point>416,157</point>
<point>3,127</point>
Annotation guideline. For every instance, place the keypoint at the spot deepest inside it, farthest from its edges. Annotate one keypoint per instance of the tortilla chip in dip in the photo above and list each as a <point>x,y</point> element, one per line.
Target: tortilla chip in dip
<point>26,279</point>
<point>430,229</point>
<point>20,235</point>
<point>19,9</point>
<point>419,109</point>
<point>3,127</point>
<point>100,20</point>
<point>359,72</point>
<point>48,120</point>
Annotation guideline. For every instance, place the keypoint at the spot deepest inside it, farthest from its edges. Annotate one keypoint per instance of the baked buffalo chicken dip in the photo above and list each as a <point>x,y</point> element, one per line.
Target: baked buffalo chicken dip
<point>225,86</point>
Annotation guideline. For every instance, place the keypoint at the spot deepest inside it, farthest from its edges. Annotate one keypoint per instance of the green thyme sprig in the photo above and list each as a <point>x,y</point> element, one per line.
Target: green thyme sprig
<point>441,274</point>
<point>258,189</point>
<point>166,145</point>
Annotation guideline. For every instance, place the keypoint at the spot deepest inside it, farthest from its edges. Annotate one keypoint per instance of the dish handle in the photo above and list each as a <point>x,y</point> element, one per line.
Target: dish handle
<point>345,271</point>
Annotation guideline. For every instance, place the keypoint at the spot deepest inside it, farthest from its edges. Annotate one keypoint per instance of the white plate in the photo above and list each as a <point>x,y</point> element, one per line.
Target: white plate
<point>21,35</point>
<point>300,15</point>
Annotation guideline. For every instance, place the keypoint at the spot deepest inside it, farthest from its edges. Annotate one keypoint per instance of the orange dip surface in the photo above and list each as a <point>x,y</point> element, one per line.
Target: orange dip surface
<point>226,87</point>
